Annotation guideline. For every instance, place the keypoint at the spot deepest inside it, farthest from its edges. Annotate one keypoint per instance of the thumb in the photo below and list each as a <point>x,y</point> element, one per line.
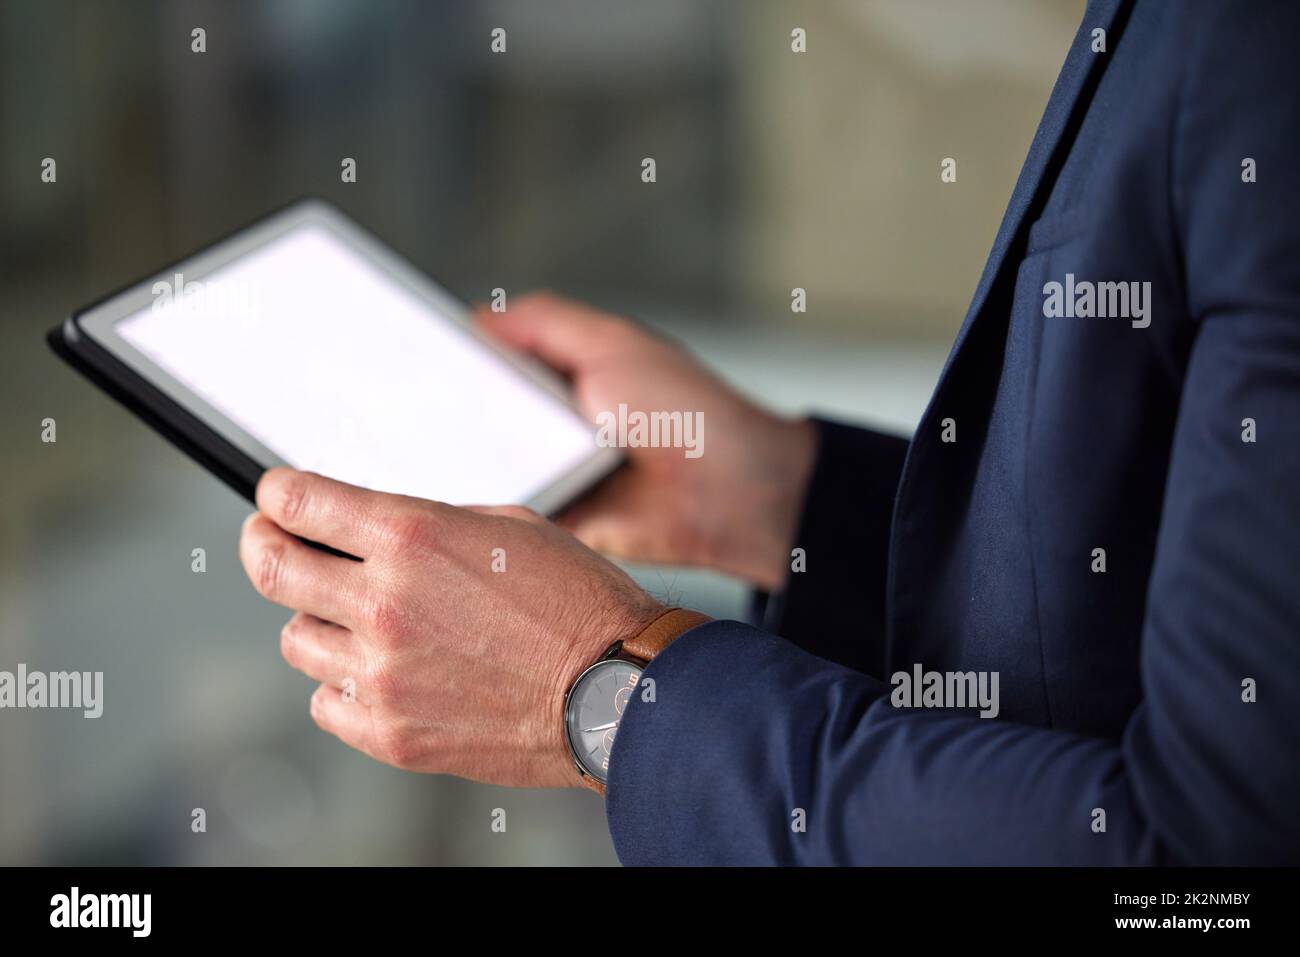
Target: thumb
<point>564,334</point>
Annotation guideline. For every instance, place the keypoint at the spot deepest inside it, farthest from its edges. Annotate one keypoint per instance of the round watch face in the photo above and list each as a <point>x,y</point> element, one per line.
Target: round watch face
<point>595,707</point>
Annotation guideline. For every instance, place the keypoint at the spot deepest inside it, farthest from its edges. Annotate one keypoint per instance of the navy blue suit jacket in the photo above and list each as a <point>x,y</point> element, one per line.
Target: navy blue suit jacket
<point>1121,691</point>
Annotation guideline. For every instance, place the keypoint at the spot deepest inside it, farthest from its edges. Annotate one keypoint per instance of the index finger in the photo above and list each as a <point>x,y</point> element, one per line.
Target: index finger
<point>323,510</point>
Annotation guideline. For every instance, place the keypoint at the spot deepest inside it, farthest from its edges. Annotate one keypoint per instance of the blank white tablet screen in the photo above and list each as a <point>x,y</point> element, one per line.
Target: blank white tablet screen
<point>336,367</point>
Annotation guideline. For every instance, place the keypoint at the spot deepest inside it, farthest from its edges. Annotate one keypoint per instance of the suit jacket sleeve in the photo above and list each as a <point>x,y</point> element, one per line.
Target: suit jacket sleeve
<point>749,734</point>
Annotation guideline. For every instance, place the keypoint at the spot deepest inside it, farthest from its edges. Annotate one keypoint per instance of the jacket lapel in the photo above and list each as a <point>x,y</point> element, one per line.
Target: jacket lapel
<point>924,468</point>
<point>1081,71</point>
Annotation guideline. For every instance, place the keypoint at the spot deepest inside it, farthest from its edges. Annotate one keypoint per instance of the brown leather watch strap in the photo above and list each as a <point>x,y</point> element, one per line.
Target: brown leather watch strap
<point>647,643</point>
<point>663,631</point>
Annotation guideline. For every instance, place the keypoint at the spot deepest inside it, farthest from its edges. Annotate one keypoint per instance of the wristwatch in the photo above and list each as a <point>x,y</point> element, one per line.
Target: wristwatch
<point>594,705</point>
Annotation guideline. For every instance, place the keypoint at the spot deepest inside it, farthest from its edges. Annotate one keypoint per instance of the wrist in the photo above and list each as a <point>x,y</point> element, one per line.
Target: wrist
<point>630,618</point>
<point>758,550</point>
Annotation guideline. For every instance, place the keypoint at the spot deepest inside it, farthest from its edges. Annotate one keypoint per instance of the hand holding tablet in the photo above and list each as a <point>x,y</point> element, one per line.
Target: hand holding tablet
<point>302,341</point>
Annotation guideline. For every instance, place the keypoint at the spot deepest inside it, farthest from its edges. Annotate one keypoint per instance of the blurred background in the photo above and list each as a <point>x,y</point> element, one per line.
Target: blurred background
<point>775,170</point>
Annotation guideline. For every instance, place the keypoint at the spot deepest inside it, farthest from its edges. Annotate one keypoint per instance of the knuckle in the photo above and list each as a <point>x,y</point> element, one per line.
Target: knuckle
<point>396,746</point>
<point>388,618</point>
<point>289,635</point>
<point>293,498</point>
<point>410,532</point>
<point>269,576</point>
<point>385,683</point>
<point>316,705</point>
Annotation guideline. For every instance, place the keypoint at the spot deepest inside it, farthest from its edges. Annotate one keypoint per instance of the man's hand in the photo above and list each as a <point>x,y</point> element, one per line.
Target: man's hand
<point>735,508</point>
<point>452,667</point>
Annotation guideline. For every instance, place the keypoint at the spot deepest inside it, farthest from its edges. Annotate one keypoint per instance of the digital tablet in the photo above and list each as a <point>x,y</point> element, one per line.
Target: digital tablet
<point>304,341</point>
